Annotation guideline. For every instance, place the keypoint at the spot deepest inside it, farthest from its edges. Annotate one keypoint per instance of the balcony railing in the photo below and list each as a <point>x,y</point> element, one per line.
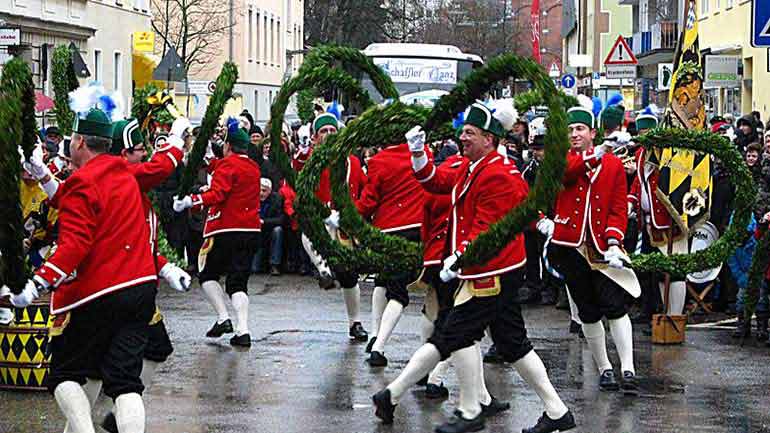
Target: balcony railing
<point>662,35</point>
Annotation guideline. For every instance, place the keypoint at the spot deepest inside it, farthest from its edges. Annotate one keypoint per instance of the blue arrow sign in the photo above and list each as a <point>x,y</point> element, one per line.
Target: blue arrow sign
<point>568,81</point>
<point>760,23</point>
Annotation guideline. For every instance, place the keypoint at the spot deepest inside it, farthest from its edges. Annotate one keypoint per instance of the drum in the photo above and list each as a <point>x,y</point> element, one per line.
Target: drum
<point>23,358</point>
<point>700,239</point>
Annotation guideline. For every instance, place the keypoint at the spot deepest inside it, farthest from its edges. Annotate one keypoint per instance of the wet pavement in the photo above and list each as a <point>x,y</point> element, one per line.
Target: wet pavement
<point>303,374</point>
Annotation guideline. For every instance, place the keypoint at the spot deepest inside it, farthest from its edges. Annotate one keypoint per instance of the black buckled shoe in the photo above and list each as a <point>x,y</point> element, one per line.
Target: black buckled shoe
<point>358,333</point>
<point>547,425</point>
<point>458,424</point>
<point>383,407</point>
<point>494,407</point>
<point>607,381</point>
<point>241,340</point>
<point>371,343</point>
<point>109,424</point>
<point>435,392</point>
<point>377,359</point>
<point>220,329</point>
<point>629,384</point>
<point>492,357</point>
<point>423,381</point>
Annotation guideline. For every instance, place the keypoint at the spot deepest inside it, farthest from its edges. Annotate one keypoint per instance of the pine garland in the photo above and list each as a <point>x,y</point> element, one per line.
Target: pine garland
<point>17,79</point>
<point>304,103</point>
<point>64,81</point>
<point>320,72</point>
<point>679,265</point>
<point>224,91</point>
<point>534,98</point>
<point>388,124</point>
<point>12,264</point>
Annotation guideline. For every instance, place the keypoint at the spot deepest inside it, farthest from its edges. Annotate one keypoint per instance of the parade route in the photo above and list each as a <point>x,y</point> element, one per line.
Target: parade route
<point>302,374</point>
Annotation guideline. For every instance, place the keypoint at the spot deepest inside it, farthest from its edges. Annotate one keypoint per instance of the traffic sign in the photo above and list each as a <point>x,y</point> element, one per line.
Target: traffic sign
<point>621,54</point>
<point>760,23</point>
<point>615,72</point>
<point>554,72</point>
<point>568,81</point>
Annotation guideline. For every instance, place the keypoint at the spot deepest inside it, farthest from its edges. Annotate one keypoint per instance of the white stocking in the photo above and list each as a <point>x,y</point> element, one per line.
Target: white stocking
<point>466,364</point>
<point>594,333</point>
<point>623,336</point>
<point>418,366</point>
<point>129,413</point>
<point>74,404</point>
<point>240,302</point>
<point>676,296</point>
<point>379,301</point>
<point>532,370</point>
<point>352,298</point>
<point>390,318</point>
<point>216,297</point>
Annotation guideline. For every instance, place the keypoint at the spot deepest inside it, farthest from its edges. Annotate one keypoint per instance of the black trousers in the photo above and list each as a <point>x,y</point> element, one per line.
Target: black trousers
<point>395,284</point>
<point>159,346</point>
<point>229,254</point>
<point>533,242</point>
<point>105,339</point>
<point>594,294</point>
<point>465,323</point>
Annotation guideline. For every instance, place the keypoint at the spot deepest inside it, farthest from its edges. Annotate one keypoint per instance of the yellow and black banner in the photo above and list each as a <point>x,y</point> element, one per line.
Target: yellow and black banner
<point>684,186</point>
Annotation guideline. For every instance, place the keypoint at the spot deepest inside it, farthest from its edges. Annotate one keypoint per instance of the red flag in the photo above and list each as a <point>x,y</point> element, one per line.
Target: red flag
<point>535,21</point>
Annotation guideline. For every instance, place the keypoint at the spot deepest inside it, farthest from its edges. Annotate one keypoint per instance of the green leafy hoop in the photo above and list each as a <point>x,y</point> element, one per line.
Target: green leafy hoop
<point>388,125</point>
<point>319,72</point>
<point>679,265</point>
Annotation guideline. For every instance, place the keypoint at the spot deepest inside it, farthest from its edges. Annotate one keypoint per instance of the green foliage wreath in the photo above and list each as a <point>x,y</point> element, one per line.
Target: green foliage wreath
<point>759,264</point>
<point>16,110</point>
<point>64,81</point>
<point>679,265</point>
<point>223,92</point>
<point>388,124</point>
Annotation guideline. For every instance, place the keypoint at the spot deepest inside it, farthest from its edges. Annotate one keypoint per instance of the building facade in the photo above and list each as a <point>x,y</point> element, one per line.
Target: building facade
<point>265,41</point>
<point>88,24</point>
<point>725,30</point>
<point>589,30</point>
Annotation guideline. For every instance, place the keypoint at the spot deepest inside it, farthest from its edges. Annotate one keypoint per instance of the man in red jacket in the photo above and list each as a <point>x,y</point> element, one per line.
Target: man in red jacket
<point>103,280</point>
<point>231,234</point>
<point>483,190</point>
<point>392,200</point>
<point>587,246</point>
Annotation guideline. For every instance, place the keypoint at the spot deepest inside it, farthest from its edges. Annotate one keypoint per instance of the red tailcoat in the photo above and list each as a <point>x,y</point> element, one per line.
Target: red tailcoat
<point>435,218</point>
<point>103,234</point>
<point>392,199</point>
<point>480,198</point>
<point>233,199</point>
<point>593,201</point>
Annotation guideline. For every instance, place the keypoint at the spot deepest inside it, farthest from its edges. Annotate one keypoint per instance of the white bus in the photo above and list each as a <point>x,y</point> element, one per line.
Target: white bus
<point>420,71</point>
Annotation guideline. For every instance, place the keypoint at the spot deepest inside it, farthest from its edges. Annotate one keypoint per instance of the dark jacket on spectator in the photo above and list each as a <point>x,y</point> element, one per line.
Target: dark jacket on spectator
<point>271,212</point>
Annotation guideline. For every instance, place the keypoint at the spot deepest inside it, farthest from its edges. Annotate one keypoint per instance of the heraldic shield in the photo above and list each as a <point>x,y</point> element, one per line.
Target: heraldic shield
<point>684,186</point>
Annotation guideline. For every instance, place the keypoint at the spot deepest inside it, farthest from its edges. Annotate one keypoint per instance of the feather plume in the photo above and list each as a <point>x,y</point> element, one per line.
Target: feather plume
<point>459,120</point>
<point>596,106</point>
<point>335,109</point>
<point>233,125</point>
<point>615,99</point>
<point>585,102</point>
<point>503,111</point>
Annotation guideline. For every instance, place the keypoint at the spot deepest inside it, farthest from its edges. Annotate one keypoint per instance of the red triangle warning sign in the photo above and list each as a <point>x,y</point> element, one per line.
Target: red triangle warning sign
<point>621,54</point>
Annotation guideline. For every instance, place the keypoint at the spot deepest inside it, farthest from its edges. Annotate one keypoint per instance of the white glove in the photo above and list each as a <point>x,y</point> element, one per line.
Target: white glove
<point>546,227</point>
<point>180,127</point>
<point>174,141</point>
<point>599,151</point>
<point>26,296</point>
<point>178,279</point>
<point>5,291</point>
<point>615,257</point>
<point>415,137</point>
<point>183,203</point>
<point>36,167</point>
<point>622,138</point>
<point>333,220</point>
<point>447,274</point>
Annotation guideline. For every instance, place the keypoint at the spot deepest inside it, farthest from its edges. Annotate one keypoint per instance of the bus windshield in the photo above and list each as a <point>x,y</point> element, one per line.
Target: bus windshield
<point>424,70</point>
